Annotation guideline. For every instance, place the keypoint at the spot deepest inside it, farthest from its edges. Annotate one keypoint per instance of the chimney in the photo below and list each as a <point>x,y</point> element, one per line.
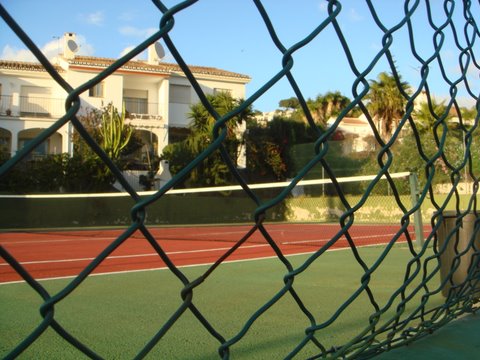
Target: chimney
<point>152,57</point>
<point>155,53</point>
<point>70,47</point>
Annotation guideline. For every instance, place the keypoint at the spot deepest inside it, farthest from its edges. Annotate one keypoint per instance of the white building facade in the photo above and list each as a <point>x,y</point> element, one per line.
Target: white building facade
<point>157,96</point>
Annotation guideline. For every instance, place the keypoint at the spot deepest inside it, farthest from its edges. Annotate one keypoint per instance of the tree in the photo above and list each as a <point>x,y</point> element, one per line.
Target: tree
<point>213,170</point>
<point>84,171</point>
<point>268,148</point>
<point>425,116</point>
<point>290,103</point>
<point>406,153</point>
<point>325,106</point>
<point>469,113</point>
<point>386,102</point>
<point>114,134</point>
<point>107,127</point>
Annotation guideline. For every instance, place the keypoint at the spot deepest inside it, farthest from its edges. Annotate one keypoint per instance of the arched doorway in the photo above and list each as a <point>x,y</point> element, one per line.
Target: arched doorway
<point>52,145</point>
<point>145,157</point>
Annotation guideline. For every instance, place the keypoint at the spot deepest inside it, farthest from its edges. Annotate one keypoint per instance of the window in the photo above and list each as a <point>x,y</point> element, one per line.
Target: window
<point>180,94</point>
<point>136,106</point>
<point>136,101</point>
<point>40,151</point>
<point>96,91</point>
<point>35,101</point>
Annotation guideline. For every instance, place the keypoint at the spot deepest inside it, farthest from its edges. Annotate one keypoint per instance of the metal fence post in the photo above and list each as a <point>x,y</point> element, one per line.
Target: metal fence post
<point>417,216</point>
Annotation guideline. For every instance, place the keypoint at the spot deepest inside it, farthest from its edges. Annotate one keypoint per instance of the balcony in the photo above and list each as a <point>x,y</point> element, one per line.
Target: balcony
<point>47,107</point>
<point>6,105</point>
<point>140,109</point>
<point>29,106</point>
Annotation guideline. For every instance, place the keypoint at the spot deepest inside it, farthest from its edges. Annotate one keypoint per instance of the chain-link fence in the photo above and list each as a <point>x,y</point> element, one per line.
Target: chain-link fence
<point>396,322</point>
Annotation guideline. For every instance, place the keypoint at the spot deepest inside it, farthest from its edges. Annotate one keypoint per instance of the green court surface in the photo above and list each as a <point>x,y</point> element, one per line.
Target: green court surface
<point>459,340</point>
<point>116,315</point>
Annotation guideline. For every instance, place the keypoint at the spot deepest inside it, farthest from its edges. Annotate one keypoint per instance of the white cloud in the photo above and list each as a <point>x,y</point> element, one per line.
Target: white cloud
<point>376,46</point>
<point>169,58</point>
<point>11,53</point>
<point>323,6</point>
<point>136,32</point>
<point>50,50</point>
<point>85,48</point>
<point>354,15</point>
<point>143,55</point>
<point>127,16</point>
<point>95,18</point>
<point>127,50</point>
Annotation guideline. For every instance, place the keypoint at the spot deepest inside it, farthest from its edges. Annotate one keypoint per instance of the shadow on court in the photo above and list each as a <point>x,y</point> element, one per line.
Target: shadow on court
<point>457,340</point>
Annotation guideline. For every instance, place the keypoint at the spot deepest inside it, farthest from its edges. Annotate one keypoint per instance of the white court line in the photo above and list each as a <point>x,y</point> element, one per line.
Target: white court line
<point>165,237</point>
<point>133,256</point>
<point>188,251</point>
<point>13,242</point>
<point>354,238</point>
<point>162,237</point>
<point>179,267</point>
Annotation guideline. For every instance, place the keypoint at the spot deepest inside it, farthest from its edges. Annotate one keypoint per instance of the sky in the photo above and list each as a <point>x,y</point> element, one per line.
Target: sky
<point>231,35</point>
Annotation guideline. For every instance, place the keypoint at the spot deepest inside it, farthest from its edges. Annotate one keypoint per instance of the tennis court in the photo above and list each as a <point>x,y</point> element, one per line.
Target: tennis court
<point>52,254</point>
<point>115,315</point>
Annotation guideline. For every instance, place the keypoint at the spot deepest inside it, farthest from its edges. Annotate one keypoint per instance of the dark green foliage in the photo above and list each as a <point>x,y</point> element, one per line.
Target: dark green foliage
<point>84,171</point>
<point>54,173</point>
<point>290,103</point>
<point>108,129</point>
<point>268,148</point>
<point>213,170</point>
<point>321,108</point>
<point>43,175</point>
<point>386,101</point>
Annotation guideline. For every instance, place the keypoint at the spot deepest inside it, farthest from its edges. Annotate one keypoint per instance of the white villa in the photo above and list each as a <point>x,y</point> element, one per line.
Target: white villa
<point>358,132</point>
<point>157,96</point>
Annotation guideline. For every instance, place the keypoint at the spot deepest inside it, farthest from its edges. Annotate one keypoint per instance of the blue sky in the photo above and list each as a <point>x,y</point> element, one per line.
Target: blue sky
<point>231,35</point>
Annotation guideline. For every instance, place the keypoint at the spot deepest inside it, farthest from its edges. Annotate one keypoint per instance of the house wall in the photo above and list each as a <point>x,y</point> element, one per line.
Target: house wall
<point>162,112</point>
<point>178,112</point>
<point>12,83</point>
<point>113,89</point>
<point>28,127</point>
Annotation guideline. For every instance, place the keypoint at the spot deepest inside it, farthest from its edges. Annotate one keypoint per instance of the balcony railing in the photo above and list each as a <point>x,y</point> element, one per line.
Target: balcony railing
<point>47,107</point>
<point>5,105</point>
<point>31,106</point>
<point>141,109</point>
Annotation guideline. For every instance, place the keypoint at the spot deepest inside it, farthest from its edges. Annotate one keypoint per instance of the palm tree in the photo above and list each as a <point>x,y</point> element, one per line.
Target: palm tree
<point>214,171</point>
<point>425,117</point>
<point>336,102</point>
<point>325,106</point>
<point>386,102</point>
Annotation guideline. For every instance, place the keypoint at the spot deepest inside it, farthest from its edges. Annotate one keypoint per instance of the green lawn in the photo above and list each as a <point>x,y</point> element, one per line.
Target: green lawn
<point>116,315</point>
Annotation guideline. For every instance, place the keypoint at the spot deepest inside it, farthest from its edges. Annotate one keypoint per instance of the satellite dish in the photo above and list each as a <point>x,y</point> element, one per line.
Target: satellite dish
<point>155,53</point>
<point>72,46</point>
<point>159,51</point>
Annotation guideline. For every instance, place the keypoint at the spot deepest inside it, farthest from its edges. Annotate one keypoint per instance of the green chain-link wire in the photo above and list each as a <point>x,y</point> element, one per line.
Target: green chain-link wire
<point>400,328</point>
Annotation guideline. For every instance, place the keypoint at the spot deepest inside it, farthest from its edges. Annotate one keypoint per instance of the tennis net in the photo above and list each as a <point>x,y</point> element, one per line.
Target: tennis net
<point>308,201</point>
<point>312,204</point>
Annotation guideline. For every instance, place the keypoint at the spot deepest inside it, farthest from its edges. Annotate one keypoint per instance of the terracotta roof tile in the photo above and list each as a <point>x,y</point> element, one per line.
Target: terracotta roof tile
<point>98,62</point>
<point>165,68</point>
<point>23,65</point>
